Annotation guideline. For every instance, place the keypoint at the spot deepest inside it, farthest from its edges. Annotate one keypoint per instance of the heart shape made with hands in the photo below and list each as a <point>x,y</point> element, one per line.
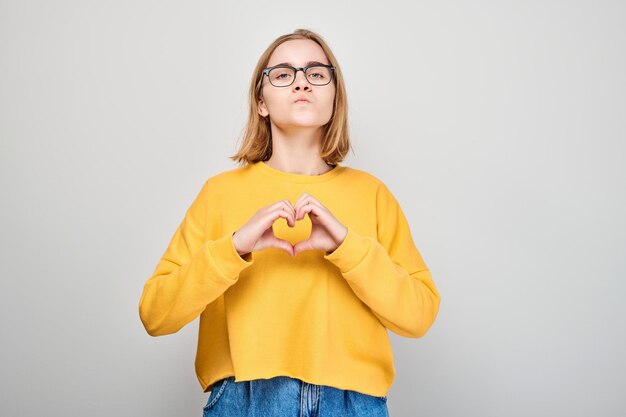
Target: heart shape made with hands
<point>319,230</point>
<point>299,232</point>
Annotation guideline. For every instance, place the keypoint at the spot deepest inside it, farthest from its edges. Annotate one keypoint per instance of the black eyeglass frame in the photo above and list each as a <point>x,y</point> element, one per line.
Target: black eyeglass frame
<point>266,71</point>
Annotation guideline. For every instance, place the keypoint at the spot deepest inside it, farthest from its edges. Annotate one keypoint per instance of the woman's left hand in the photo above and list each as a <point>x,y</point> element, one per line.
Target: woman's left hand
<point>327,233</point>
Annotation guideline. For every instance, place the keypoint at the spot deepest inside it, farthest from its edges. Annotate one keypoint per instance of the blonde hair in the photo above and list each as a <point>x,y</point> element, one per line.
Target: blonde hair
<point>256,144</point>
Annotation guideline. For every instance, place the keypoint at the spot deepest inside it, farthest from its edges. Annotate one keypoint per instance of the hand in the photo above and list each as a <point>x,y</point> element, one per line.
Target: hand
<point>257,233</point>
<point>327,233</point>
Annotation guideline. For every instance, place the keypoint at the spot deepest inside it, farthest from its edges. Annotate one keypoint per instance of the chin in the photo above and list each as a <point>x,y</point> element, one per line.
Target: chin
<point>301,122</point>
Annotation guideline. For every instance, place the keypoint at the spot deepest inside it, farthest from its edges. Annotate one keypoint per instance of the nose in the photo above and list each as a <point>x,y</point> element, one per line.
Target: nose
<point>301,83</point>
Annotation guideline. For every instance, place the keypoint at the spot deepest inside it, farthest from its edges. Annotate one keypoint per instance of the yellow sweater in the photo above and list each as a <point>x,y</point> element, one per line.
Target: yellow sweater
<point>322,318</point>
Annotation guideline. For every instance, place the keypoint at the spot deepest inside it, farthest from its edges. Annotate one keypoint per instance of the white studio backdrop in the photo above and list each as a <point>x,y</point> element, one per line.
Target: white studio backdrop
<point>499,126</point>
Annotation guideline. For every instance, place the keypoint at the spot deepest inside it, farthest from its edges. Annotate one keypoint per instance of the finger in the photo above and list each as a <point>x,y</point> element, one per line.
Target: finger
<point>285,203</point>
<point>281,211</point>
<point>269,240</point>
<point>267,218</point>
<point>302,197</point>
<point>281,244</point>
<point>287,206</point>
<point>302,201</point>
<point>302,246</point>
<point>308,207</point>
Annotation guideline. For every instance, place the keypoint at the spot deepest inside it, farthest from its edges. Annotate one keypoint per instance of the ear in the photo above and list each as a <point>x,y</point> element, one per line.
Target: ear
<point>263,108</point>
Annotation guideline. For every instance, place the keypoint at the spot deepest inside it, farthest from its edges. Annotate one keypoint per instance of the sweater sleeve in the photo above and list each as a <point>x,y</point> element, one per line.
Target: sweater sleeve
<point>388,273</point>
<point>192,272</point>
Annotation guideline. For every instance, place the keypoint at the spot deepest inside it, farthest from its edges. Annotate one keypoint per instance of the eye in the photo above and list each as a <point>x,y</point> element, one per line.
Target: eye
<point>281,73</point>
<point>318,73</point>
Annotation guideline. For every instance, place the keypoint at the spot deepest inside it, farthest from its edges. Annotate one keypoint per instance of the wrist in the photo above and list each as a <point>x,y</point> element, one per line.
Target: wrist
<point>239,252</point>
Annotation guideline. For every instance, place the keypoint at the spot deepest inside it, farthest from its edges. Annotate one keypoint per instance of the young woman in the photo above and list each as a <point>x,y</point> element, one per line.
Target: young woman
<point>296,264</point>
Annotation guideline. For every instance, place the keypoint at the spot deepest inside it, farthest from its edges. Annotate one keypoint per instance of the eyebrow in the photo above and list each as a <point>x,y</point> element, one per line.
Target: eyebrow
<point>307,64</point>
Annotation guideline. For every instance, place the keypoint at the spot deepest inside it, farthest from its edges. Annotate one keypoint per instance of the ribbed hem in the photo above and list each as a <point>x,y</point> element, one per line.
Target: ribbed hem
<point>350,252</point>
<point>226,258</point>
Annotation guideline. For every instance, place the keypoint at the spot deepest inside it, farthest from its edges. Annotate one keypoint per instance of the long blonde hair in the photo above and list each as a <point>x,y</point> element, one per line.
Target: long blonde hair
<point>256,144</point>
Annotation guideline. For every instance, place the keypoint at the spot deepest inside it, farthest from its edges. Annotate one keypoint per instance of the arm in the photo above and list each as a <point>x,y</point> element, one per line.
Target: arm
<point>388,273</point>
<point>193,271</point>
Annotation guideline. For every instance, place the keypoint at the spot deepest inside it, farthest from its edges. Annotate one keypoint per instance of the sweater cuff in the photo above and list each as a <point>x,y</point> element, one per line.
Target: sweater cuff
<point>350,252</point>
<point>224,254</point>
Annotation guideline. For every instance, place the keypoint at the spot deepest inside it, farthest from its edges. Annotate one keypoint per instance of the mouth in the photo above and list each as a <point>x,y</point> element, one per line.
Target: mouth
<point>301,101</point>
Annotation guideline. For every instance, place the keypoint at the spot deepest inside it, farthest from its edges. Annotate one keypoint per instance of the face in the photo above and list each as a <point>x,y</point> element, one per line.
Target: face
<point>280,102</point>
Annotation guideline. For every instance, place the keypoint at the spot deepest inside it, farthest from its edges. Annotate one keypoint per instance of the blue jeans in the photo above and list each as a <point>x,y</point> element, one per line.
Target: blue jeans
<point>283,396</point>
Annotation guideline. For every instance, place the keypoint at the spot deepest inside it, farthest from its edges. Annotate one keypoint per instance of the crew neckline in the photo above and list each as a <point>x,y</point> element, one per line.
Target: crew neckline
<point>298,178</point>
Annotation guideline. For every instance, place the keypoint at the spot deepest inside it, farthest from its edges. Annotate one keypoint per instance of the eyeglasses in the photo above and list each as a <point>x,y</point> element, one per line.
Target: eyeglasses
<point>285,75</point>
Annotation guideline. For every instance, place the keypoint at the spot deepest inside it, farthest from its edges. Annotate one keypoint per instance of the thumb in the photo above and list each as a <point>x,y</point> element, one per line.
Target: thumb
<point>281,244</point>
<point>302,246</point>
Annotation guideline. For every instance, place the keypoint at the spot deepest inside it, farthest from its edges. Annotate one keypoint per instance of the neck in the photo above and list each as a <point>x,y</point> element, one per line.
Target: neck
<point>296,150</point>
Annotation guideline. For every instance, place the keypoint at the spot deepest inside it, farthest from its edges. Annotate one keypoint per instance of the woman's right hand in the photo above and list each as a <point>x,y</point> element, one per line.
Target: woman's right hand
<point>257,233</point>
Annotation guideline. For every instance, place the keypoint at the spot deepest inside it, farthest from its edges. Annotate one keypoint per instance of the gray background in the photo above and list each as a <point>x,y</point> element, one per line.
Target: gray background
<point>498,125</point>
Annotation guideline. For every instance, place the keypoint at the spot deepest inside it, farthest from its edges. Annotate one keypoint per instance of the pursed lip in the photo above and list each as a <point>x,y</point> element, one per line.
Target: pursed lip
<point>302,100</point>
